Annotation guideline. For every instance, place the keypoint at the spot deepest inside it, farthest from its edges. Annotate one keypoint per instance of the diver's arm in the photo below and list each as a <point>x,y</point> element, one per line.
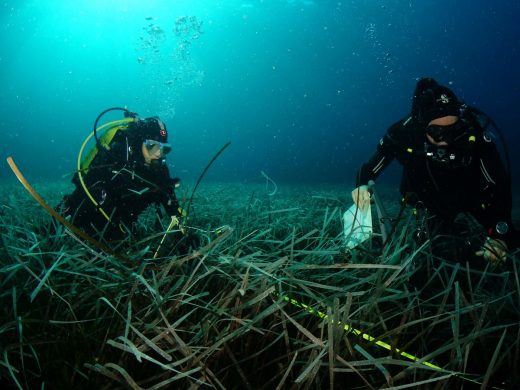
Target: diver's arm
<point>170,202</point>
<point>386,151</point>
<point>167,196</point>
<point>370,171</point>
<point>496,196</point>
<point>383,156</point>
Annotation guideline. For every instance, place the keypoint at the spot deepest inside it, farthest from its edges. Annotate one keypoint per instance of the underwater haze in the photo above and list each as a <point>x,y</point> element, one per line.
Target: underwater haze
<point>303,89</point>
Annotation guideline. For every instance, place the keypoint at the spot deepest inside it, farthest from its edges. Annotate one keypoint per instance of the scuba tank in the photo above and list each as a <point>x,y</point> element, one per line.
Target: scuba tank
<point>102,145</point>
<point>103,142</point>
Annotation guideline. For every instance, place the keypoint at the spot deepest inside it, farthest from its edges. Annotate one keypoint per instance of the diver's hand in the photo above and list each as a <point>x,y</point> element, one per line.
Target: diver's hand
<point>361,197</point>
<point>493,250</point>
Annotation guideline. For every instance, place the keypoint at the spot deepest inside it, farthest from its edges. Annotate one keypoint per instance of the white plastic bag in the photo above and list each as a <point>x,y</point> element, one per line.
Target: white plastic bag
<point>357,225</point>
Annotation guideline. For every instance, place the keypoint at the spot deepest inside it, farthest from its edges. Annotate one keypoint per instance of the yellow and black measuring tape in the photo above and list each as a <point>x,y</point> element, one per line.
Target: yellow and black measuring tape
<point>359,333</point>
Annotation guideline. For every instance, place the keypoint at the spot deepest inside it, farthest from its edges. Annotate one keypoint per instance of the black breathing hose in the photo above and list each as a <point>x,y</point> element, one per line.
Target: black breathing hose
<point>127,113</point>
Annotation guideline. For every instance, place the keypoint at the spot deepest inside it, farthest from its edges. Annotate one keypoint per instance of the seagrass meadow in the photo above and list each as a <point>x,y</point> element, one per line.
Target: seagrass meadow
<point>261,294</point>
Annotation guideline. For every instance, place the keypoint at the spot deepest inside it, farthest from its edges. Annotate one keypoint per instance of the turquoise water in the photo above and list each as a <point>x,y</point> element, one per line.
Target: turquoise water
<point>303,89</point>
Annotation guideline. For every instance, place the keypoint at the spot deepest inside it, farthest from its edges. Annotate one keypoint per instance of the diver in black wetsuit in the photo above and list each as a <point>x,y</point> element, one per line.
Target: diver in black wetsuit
<point>122,180</point>
<point>450,165</point>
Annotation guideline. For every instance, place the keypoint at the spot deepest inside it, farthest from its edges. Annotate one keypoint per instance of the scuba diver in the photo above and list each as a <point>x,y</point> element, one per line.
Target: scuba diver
<point>121,176</point>
<point>450,165</point>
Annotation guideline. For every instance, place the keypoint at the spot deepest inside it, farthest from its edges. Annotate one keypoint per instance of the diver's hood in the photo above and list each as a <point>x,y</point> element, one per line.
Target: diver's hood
<point>432,101</point>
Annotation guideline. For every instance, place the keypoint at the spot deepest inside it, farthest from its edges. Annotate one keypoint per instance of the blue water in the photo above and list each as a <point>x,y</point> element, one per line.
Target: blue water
<point>303,89</point>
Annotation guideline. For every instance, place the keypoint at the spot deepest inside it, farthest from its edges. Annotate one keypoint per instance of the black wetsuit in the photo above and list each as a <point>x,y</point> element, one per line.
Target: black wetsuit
<point>466,177</point>
<point>123,186</point>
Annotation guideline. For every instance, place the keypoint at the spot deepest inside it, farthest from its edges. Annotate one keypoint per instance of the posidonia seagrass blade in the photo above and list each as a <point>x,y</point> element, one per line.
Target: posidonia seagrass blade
<point>210,314</point>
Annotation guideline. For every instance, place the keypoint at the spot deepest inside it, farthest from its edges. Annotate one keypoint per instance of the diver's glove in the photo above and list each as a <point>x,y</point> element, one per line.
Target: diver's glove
<point>361,197</point>
<point>493,250</point>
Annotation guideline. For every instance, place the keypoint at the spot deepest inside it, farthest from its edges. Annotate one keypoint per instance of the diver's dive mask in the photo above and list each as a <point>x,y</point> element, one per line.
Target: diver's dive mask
<point>449,134</point>
<point>157,148</point>
<point>459,145</point>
